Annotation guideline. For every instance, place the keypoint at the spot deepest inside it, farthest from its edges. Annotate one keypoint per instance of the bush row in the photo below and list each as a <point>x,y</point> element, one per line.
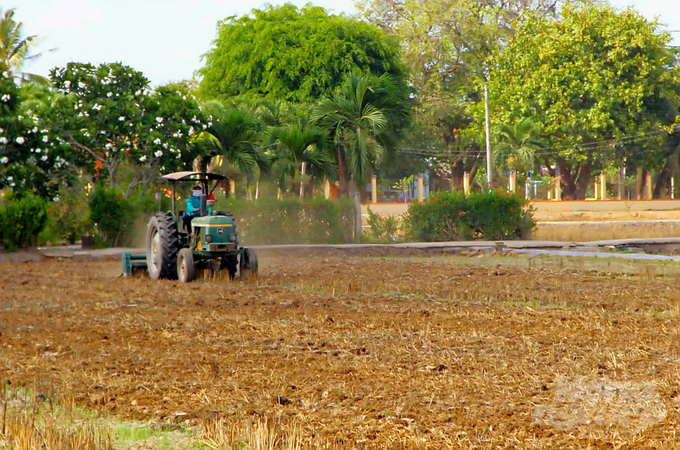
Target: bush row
<point>115,220</point>
<point>450,216</point>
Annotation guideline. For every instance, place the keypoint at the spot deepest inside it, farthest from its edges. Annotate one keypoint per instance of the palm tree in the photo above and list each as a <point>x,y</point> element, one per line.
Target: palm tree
<point>300,147</point>
<point>235,137</point>
<point>355,124</point>
<point>516,145</point>
<point>14,50</point>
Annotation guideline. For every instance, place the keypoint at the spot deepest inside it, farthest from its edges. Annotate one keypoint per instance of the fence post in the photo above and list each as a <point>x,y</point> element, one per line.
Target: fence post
<point>648,186</point>
<point>512,180</point>
<point>374,189</point>
<point>603,186</point>
<point>421,188</point>
<point>672,187</point>
<point>558,189</point>
<point>527,187</point>
<point>466,183</point>
<point>326,188</point>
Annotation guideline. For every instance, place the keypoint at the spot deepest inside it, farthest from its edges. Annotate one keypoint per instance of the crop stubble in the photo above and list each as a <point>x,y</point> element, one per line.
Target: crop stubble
<point>359,352</point>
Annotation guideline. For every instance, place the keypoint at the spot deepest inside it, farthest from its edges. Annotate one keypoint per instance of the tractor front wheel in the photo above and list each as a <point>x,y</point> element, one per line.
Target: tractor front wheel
<point>248,266</point>
<point>185,265</point>
<point>162,245</point>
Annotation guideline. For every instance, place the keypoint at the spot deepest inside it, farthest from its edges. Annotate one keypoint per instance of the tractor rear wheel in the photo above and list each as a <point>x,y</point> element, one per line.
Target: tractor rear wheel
<point>185,265</point>
<point>248,266</point>
<point>162,246</point>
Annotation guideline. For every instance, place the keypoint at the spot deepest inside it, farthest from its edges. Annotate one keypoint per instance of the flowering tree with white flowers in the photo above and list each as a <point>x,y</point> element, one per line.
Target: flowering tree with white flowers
<point>30,157</point>
<point>110,119</point>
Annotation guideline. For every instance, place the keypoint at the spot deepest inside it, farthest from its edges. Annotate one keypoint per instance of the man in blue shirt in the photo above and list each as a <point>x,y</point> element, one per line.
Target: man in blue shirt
<point>193,208</point>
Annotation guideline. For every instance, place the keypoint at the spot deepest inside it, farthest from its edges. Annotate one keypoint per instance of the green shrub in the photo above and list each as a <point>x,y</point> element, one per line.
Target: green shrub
<point>111,214</point>
<point>69,218</point>
<point>293,221</point>
<point>382,228</point>
<point>450,216</point>
<point>21,221</point>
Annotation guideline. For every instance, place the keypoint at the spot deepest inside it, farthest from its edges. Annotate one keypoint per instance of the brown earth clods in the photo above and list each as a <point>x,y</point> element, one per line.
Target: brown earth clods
<point>363,353</point>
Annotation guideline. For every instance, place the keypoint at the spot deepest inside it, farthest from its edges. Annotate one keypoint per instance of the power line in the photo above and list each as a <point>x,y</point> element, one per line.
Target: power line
<point>541,150</point>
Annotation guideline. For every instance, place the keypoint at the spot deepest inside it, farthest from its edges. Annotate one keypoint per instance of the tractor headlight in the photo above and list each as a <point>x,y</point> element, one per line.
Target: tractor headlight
<point>232,238</point>
<point>208,238</point>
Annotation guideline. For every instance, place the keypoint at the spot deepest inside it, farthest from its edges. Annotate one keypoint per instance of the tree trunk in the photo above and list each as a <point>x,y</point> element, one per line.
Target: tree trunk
<point>458,169</point>
<point>357,204</point>
<point>670,169</point>
<point>302,180</point>
<point>582,181</point>
<point>342,173</point>
<point>574,186</point>
<point>457,173</point>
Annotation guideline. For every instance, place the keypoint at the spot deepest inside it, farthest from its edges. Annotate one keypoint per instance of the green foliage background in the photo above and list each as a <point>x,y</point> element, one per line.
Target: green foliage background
<point>300,55</point>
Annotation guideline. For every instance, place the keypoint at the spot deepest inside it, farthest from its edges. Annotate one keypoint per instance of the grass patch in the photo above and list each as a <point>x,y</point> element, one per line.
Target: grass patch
<point>31,419</point>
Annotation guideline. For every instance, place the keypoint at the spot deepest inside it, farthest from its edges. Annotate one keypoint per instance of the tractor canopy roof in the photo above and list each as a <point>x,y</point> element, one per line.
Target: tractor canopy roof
<point>193,176</point>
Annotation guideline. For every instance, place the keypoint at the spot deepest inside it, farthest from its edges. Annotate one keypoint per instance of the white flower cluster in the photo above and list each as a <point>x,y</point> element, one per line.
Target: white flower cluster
<point>5,98</point>
<point>4,160</point>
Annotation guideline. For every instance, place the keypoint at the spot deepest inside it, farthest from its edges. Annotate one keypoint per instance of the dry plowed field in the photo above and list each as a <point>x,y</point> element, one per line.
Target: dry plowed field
<point>360,352</point>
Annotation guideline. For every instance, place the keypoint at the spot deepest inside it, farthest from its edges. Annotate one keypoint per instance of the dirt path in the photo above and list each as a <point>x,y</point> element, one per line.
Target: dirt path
<point>374,353</point>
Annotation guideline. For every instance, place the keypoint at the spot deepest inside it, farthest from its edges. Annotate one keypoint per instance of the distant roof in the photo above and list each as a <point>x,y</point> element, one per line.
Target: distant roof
<point>192,176</point>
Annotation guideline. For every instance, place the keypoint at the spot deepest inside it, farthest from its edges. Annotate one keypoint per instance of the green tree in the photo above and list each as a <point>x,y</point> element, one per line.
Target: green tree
<point>15,49</point>
<point>515,146</point>
<point>295,54</point>
<point>300,149</point>
<point>235,137</point>
<point>355,124</point>
<point>448,46</point>
<point>591,75</point>
<point>106,118</point>
<point>25,163</point>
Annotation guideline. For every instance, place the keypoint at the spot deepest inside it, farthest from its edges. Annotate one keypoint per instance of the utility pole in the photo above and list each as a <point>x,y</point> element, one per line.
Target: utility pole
<point>489,168</point>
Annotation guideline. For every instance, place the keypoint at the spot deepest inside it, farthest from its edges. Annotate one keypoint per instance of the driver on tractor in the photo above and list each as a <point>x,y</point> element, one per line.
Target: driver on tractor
<point>193,208</point>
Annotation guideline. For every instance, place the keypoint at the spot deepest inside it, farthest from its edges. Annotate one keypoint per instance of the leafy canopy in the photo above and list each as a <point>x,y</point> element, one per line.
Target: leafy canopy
<point>27,159</point>
<point>593,75</point>
<point>106,116</point>
<point>295,54</point>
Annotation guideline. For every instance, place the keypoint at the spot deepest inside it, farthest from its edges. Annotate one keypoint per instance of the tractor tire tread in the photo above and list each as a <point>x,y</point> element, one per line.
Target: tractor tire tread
<point>169,236</point>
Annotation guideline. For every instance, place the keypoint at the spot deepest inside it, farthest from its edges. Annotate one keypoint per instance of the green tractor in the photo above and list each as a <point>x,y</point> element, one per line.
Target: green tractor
<point>176,253</point>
